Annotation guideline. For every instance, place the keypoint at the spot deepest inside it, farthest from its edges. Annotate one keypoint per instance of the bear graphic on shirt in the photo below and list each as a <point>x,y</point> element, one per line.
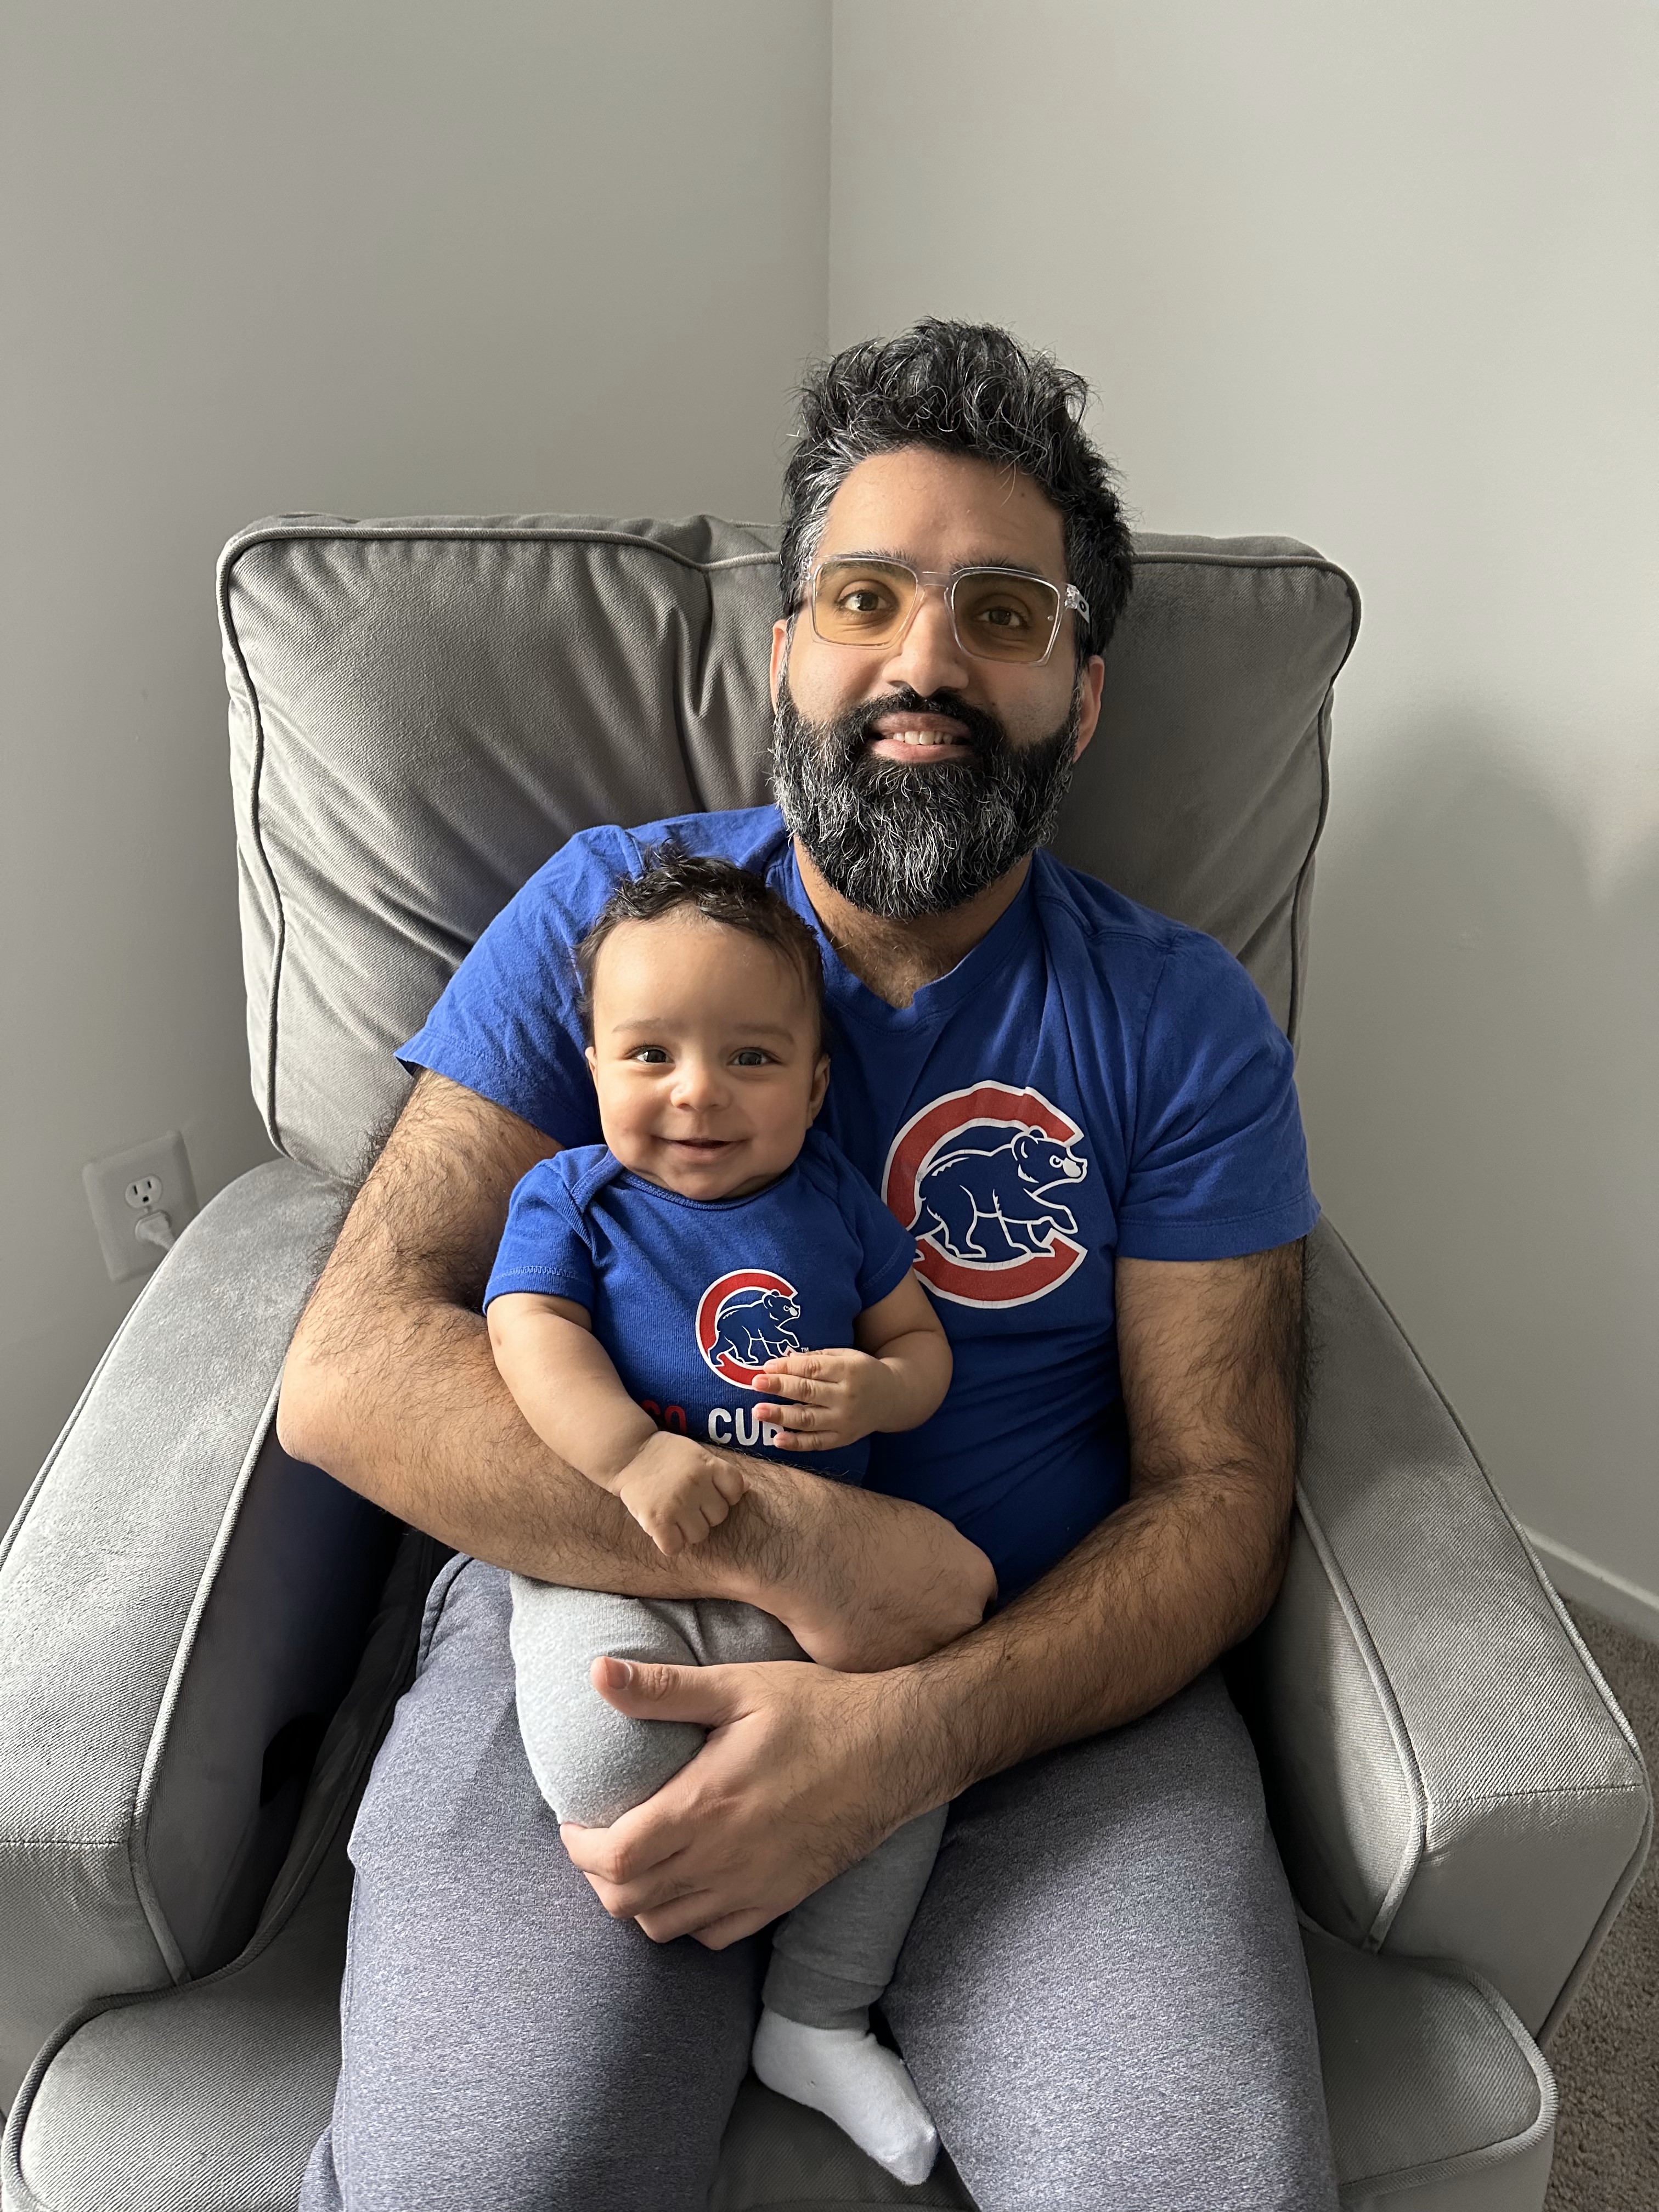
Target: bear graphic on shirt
<point>751,1327</point>
<point>990,1197</point>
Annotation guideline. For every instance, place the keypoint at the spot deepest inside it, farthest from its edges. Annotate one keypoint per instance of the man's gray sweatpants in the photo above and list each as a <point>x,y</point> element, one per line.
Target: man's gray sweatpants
<point>834,1954</point>
<point>1101,1999</point>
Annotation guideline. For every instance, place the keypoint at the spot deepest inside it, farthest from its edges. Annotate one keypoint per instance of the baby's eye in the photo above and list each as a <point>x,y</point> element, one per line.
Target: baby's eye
<point>650,1055</point>
<point>751,1055</point>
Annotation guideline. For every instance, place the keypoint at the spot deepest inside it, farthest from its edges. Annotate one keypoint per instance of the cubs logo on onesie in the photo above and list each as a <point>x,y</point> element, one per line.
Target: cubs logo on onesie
<point>745,1320</point>
<point>1092,1082</point>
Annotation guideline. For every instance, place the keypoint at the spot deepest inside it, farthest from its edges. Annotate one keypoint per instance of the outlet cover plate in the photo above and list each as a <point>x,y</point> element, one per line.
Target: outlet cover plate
<point>163,1162</point>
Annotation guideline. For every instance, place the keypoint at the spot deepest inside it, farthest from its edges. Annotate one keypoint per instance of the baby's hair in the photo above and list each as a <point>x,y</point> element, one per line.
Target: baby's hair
<point>670,878</point>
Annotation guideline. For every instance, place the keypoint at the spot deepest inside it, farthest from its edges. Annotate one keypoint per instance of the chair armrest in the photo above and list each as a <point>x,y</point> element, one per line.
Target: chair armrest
<point>1448,1774</point>
<point>183,1606</point>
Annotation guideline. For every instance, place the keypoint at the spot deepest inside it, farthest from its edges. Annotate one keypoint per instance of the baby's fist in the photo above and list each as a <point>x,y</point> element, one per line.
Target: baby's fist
<point>677,1490</point>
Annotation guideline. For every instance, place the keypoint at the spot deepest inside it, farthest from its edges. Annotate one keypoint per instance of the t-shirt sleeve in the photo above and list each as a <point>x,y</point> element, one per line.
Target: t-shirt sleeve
<point>509,1025</point>
<point>1217,1163</point>
<point>544,1246</point>
<point>889,1250</point>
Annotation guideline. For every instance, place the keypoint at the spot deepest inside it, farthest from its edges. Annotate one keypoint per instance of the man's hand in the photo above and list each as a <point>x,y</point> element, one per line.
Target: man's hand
<point>825,1400</point>
<point>677,1490</point>
<point>804,1770</point>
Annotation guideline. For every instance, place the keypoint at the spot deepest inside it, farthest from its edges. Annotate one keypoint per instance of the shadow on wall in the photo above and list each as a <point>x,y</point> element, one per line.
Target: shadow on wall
<point>1480,1071</point>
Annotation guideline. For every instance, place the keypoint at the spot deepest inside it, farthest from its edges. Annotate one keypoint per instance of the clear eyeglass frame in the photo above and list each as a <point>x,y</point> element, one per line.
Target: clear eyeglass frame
<point>944,582</point>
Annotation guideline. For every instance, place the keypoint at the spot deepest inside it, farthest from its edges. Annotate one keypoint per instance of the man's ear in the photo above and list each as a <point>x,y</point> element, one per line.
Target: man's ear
<point>1090,681</point>
<point>780,656</point>
<point>820,1085</point>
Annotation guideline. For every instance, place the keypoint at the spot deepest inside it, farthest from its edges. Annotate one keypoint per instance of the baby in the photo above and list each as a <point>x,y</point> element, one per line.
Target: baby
<point>653,1297</point>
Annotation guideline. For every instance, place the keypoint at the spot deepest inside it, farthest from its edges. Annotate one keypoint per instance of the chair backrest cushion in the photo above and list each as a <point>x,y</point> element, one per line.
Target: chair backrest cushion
<point>422,711</point>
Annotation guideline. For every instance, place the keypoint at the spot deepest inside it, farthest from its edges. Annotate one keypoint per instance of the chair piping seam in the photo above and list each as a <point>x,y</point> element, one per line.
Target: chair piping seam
<point>279,935</point>
<point>49,1843</point>
<point>1383,1689</point>
<point>150,1774</point>
<point>1476,1797</point>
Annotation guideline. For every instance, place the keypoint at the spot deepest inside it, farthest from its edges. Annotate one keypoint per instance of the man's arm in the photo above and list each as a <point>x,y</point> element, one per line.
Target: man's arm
<point>803,1764</point>
<point>1210,1353</point>
<point>390,1386</point>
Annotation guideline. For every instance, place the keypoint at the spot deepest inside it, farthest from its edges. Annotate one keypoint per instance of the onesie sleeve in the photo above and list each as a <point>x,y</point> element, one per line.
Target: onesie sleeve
<point>888,1251</point>
<point>544,1246</point>
<point>1217,1163</point>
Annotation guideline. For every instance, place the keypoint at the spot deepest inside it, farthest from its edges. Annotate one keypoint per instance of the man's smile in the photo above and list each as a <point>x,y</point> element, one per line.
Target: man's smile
<point>907,734</point>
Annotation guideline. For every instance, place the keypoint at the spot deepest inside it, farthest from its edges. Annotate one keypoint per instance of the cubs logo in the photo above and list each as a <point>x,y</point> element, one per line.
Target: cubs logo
<point>975,1177</point>
<point>744,1323</point>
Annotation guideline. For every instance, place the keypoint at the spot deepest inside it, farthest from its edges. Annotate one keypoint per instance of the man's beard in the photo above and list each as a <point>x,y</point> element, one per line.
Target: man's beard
<point>899,840</point>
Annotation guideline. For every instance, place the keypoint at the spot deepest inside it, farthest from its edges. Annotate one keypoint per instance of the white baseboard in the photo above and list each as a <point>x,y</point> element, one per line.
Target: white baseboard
<point>1594,1585</point>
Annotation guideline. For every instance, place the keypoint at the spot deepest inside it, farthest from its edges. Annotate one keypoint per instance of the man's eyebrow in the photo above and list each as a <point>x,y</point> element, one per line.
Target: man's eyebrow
<point>980,560</point>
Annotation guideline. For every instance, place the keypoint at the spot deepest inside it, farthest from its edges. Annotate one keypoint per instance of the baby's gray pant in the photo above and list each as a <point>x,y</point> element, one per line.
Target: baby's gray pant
<point>835,1954</point>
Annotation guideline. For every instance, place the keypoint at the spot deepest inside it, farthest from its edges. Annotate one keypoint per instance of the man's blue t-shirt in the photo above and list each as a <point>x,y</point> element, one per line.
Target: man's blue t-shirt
<point>692,1297</point>
<point>1092,1080</point>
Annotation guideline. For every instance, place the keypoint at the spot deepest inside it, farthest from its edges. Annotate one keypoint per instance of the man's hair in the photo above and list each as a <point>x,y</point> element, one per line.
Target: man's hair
<point>670,878</point>
<point>960,388</point>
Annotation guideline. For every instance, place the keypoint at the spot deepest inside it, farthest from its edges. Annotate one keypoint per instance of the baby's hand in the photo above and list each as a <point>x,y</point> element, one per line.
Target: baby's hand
<point>677,1490</point>
<point>833,1398</point>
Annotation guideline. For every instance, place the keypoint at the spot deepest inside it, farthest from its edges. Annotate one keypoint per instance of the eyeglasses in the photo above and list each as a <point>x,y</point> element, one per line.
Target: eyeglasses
<point>996,614</point>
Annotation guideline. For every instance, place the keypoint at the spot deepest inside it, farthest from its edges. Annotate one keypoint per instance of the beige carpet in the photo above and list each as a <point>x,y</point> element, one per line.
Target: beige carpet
<point>1606,2054</point>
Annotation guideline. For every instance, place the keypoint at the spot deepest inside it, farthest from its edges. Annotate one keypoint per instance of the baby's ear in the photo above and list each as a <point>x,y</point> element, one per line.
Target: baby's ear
<point>592,1060</point>
<point>820,1084</point>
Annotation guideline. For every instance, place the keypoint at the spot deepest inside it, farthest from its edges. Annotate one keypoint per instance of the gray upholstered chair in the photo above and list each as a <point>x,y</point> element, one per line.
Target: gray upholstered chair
<point>203,1639</point>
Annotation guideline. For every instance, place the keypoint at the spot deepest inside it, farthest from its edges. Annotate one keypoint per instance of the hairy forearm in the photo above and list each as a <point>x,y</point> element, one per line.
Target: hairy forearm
<point>417,1418</point>
<point>1211,1358</point>
<point>425,1425</point>
<point>1144,1604</point>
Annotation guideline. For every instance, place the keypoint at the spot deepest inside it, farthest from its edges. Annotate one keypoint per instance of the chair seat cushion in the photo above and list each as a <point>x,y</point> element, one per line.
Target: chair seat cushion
<point>209,2098</point>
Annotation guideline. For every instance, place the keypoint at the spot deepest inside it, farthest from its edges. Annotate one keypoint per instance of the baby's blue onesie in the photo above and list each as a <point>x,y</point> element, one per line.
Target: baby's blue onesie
<point>692,1297</point>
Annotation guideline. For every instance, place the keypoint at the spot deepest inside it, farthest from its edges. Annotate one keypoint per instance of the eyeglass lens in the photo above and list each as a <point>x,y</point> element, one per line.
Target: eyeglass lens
<point>999,616</point>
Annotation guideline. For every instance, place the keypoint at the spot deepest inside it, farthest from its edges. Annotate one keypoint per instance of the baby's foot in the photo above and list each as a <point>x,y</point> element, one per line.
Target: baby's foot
<point>863,2088</point>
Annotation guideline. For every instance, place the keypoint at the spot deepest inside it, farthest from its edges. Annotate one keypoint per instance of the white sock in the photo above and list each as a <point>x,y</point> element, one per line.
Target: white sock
<point>865,2088</point>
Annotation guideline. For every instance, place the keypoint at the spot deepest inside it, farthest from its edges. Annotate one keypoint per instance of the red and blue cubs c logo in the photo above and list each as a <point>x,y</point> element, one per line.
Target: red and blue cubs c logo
<point>743,1323</point>
<point>977,1177</point>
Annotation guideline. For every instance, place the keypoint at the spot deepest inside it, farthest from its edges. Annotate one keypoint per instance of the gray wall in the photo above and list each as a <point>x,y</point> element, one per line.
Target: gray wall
<point>369,257</point>
<point>1382,277</point>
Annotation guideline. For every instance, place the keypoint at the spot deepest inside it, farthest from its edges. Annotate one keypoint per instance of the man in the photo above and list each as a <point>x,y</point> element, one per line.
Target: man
<point>1087,1116</point>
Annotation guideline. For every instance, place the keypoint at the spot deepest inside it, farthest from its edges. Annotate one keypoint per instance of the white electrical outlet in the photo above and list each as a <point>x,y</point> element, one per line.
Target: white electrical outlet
<point>127,1189</point>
